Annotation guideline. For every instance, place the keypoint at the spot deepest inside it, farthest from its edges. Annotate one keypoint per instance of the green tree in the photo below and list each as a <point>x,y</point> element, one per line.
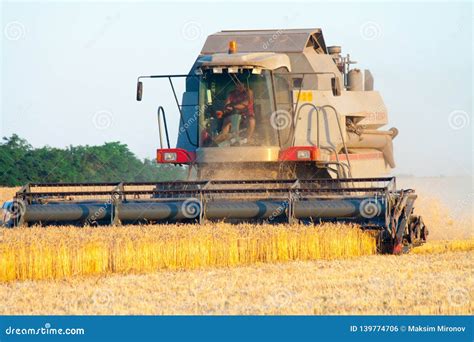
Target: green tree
<point>20,163</point>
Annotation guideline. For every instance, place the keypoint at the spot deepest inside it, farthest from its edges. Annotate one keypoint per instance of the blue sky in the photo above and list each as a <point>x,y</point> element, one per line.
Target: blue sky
<point>69,69</point>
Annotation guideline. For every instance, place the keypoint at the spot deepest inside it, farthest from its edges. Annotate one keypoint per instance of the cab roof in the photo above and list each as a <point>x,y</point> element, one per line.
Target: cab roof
<point>291,40</point>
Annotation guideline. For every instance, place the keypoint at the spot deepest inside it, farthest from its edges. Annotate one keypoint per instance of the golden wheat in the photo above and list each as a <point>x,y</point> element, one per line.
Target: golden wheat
<point>444,246</point>
<point>61,252</point>
<point>6,194</point>
<point>409,284</point>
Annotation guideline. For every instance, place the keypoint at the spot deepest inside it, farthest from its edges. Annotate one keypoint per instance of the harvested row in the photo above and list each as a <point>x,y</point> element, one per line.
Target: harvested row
<point>63,252</point>
<point>444,246</point>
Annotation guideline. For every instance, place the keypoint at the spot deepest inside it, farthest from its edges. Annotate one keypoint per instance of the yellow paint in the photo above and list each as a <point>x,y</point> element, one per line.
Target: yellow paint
<point>305,96</point>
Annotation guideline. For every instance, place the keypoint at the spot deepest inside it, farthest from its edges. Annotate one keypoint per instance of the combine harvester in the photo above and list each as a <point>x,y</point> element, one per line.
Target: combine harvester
<point>274,127</point>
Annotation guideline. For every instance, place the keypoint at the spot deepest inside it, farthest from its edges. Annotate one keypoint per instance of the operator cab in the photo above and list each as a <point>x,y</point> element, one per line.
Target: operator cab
<point>238,107</point>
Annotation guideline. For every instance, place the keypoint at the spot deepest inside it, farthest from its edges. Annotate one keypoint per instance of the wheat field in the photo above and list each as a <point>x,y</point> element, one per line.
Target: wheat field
<point>235,269</point>
<point>7,194</point>
<point>429,284</point>
<point>62,252</point>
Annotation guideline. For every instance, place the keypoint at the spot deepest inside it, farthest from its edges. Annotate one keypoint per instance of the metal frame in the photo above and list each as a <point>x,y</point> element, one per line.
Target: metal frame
<point>336,114</point>
<point>322,186</point>
<point>161,111</point>
<point>169,77</point>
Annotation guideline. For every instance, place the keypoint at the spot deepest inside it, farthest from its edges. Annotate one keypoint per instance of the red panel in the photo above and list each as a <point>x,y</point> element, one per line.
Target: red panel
<point>182,156</point>
<point>291,153</point>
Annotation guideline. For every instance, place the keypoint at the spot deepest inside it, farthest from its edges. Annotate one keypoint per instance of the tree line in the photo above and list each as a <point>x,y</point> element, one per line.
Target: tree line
<point>20,163</point>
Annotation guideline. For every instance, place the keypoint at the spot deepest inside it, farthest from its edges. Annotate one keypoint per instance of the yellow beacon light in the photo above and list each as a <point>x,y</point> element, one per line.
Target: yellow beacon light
<point>232,46</point>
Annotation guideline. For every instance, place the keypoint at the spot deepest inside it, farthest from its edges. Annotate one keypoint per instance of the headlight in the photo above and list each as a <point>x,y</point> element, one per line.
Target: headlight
<point>303,154</point>
<point>169,156</point>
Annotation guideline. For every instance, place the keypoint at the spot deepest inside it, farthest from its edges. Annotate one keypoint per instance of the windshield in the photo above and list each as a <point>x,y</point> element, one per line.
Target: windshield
<point>237,109</point>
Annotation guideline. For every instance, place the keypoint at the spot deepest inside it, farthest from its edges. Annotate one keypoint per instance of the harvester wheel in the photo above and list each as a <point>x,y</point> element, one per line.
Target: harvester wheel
<point>417,231</point>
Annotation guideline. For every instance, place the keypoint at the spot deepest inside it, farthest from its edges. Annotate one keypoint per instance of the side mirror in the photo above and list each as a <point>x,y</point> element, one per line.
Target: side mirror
<point>336,86</point>
<point>139,90</point>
